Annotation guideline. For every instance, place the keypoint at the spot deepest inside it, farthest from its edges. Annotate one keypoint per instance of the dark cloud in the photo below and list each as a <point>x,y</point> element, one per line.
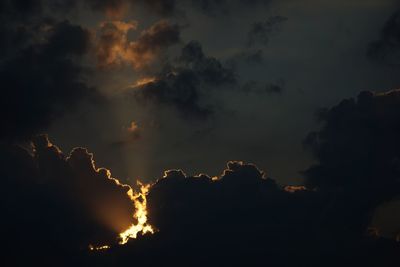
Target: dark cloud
<point>260,32</point>
<point>159,35</point>
<point>54,206</point>
<point>357,147</point>
<point>22,9</point>
<point>178,7</point>
<point>224,7</point>
<point>211,7</point>
<point>208,68</point>
<point>163,7</point>
<point>112,8</point>
<point>241,217</point>
<point>184,85</point>
<point>387,48</point>
<point>244,218</point>
<point>41,75</point>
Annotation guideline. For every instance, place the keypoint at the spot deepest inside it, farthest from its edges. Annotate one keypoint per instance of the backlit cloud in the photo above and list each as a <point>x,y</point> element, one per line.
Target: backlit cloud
<point>114,48</point>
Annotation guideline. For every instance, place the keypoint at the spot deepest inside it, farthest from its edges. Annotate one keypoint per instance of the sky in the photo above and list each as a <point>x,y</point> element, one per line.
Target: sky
<point>245,121</point>
<point>315,55</point>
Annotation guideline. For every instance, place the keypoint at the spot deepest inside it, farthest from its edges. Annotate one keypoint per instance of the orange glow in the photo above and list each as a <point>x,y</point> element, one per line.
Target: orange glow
<point>294,188</point>
<point>111,48</point>
<point>140,215</point>
<point>144,81</point>
<point>133,127</point>
<point>93,248</point>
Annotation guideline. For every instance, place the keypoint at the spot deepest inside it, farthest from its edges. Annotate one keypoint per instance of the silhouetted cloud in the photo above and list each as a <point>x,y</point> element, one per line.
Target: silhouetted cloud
<point>242,217</point>
<point>357,147</point>
<point>183,85</point>
<point>54,206</point>
<point>40,73</point>
<point>387,48</point>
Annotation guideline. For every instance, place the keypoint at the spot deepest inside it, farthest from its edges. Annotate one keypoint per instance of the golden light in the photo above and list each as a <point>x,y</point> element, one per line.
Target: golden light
<point>144,81</point>
<point>93,248</point>
<point>140,215</point>
<point>133,127</point>
<point>294,188</point>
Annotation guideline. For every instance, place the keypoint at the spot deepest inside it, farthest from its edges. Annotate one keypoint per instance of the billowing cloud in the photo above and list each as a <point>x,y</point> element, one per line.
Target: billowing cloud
<point>114,48</point>
<point>242,217</point>
<point>184,84</point>
<point>40,73</point>
<point>357,146</point>
<point>54,204</point>
<point>112,42</point>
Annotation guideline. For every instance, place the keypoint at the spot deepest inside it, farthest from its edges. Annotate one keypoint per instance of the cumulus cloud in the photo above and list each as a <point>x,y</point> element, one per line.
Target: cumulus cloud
<point>357,146</point>
<point>184,84</point>
<point>53,204</point>
<point>113,47</point>
<point>239,217</point>
<point>242,217</point>
<point>40,72</point>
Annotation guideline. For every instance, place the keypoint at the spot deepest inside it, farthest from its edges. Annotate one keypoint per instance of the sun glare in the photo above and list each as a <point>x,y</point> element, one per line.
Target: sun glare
<point>140,215</point>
